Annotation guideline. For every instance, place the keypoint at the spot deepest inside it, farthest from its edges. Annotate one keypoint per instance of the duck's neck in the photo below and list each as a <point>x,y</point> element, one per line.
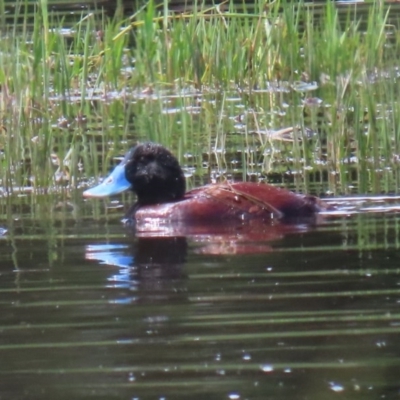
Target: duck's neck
<point>156,190</point>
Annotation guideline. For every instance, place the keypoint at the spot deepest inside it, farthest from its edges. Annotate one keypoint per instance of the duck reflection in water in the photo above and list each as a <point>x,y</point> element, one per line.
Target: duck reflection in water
<point>227,212</point>
<point>150,267</point>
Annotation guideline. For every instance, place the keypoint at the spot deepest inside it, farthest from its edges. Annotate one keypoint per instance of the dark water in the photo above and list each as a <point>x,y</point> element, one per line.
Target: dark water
<point>91,310</point>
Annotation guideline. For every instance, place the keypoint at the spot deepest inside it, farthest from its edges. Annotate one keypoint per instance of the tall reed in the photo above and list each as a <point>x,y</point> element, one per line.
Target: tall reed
<point>74,95</point>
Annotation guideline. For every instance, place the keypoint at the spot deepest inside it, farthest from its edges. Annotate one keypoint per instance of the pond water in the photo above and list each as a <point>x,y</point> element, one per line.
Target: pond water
<point>89,309</point>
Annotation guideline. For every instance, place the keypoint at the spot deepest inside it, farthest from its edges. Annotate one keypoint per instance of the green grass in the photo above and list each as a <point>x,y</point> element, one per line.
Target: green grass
<point>210,84</point>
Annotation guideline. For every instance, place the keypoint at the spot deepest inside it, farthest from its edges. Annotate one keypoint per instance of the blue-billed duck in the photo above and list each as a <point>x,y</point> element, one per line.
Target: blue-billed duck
<point>154,174</point>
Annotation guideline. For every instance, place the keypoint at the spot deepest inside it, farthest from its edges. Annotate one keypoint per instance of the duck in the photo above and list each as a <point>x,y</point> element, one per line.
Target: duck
<point>153,173</point>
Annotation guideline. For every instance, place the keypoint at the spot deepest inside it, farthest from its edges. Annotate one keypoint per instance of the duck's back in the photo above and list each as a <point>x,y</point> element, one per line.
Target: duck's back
<point>242,200</point>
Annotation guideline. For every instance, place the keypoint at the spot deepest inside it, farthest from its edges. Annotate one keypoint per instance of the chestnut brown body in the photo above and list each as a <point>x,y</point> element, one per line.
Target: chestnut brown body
<point>239,201</point>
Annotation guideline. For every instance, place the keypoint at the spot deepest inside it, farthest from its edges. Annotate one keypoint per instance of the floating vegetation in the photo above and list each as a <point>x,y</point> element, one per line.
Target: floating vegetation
<point>213,83</point>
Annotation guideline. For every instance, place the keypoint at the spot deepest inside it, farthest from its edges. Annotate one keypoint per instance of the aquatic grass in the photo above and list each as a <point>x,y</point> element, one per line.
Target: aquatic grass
<point>84,92</point>
<point>44,73</point>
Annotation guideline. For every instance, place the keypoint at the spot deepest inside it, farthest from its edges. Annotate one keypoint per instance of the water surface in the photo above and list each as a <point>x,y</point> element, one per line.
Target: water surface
<point>91,310</point>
